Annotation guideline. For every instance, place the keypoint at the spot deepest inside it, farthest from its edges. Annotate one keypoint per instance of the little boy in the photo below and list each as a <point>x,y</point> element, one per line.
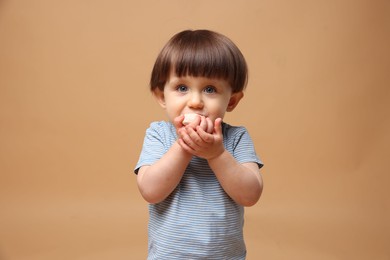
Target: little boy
<point>198,173</point>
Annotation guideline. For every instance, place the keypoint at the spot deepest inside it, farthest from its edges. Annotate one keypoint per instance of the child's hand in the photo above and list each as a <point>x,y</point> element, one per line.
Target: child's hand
<point>204,122</point>
<point>178,123</point>
<point>202,141</point>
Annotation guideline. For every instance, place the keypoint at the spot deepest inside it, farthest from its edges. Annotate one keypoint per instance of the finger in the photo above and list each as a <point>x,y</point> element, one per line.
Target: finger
<point>196,140</point>
<point>185,146</point>
<point>185,134</point>
<point>178,121</point>
<point>203,123</point>
<point>195,122</point>
<point>218,126</point>
<point>181,132</point>
<point>206,137</point>
<point>210,126</point>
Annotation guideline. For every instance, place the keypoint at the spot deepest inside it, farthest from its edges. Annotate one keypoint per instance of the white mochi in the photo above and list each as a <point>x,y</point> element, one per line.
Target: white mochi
<point>188,118</point>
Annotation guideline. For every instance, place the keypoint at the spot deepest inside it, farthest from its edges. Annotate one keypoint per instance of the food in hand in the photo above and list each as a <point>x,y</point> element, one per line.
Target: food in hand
<point>188,118</point>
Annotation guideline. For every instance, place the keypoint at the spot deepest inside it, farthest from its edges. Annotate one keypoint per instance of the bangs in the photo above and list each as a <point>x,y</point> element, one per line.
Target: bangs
<point>202,59</point>
<point>200,53</point>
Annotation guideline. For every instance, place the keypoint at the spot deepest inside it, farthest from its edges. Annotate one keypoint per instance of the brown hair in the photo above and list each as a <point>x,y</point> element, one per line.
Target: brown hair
<point>200,53</point>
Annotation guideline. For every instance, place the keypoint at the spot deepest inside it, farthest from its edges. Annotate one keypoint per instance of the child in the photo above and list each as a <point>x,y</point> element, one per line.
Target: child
<point>198,176</point>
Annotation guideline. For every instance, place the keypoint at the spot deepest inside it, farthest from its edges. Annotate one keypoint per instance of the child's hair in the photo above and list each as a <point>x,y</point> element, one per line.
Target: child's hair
<point>200,53</point>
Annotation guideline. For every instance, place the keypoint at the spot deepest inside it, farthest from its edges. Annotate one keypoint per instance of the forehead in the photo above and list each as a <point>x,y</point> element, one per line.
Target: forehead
<point>174,79</point>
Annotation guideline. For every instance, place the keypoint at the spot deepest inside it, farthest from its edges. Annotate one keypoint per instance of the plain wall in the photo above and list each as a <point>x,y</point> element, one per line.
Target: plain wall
<point>75,104</point>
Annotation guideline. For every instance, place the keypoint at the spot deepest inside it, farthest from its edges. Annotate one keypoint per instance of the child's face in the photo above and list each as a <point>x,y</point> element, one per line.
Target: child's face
<point>204,96</point>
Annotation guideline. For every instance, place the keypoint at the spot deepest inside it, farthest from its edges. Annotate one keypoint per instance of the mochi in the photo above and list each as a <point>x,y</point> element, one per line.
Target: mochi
<point>188,118</point>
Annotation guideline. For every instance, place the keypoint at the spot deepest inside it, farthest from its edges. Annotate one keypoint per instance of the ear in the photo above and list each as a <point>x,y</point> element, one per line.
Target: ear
<point>234,100</point>
<point>159,96</point>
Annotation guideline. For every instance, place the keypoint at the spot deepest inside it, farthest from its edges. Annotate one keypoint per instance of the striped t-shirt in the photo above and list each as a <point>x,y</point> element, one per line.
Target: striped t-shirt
<point>198,220</point>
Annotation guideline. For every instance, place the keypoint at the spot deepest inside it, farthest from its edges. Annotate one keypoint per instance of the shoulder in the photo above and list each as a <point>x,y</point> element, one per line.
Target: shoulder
<point>239,143</point>
<point>160,127</point>
<point>235,135</point>
<point>230,131</point>
<point>161,130</point>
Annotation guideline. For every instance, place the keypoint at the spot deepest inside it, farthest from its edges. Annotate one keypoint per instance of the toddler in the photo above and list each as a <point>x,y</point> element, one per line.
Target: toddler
<point>197,172</point>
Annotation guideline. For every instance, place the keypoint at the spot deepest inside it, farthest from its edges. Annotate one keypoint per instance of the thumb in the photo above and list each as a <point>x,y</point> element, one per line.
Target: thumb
<point>178,121</point>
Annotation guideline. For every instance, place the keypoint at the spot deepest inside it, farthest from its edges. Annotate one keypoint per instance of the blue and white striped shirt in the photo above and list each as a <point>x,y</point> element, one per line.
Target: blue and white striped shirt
<point>198,220</point>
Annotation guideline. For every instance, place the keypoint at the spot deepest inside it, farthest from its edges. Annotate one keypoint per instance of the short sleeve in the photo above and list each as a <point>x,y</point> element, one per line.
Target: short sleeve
<point>153,146</point>
<point>240,145</point>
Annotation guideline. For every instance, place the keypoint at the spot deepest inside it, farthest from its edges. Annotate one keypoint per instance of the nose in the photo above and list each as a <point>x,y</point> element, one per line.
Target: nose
<point>195,101</point>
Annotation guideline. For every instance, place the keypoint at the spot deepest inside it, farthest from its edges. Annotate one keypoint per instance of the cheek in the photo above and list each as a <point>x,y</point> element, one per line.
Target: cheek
<point>174,105</point>
<point>218,109</point>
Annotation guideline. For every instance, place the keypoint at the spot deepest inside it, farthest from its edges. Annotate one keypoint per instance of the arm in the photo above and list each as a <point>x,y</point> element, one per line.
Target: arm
<point>242,182</point>
<point>157,181</point>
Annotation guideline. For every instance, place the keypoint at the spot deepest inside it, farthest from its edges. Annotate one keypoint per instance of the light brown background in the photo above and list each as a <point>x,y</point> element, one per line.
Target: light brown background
<point>74,106</point>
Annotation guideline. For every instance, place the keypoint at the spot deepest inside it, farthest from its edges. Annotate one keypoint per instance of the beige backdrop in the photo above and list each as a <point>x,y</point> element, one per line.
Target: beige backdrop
<point>74,106</point>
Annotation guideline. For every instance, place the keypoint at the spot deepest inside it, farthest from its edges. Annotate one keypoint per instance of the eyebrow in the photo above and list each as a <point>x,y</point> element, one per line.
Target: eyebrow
<point>214,81</point>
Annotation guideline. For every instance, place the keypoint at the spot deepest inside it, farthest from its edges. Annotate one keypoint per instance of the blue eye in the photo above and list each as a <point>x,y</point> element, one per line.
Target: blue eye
<point>182,88</point>
<point>210,89</point>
